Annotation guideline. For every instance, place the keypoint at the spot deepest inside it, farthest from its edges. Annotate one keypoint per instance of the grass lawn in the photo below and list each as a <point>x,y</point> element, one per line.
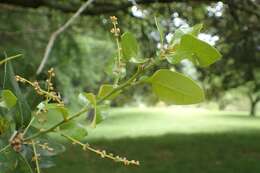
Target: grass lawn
<point>169,140</point>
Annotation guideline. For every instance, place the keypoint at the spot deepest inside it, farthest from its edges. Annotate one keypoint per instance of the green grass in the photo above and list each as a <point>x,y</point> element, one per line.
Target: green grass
<point>170,141</point>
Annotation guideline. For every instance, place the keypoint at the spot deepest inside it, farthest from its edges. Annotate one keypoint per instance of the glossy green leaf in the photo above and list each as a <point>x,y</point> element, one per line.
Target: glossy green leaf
<point>54,106</point>
<point>47,119</point>
<point>196,50</point>
<point>106,89</point>
<point>91,98</point>
<point>74,129</point>
<point>178,56</point>
<point>60,108</point>
<point>9,98</point>
<point>129,46</point>
<point>175,88</point>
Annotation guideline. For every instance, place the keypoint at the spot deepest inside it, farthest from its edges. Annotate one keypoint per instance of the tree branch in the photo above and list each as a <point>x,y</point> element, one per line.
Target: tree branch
<point>97,7</point>
<point>59,31</point>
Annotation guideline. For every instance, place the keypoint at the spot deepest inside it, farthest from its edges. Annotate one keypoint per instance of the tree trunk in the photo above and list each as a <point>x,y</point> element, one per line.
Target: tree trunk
<point>253,109</point>
<point>253,103</point>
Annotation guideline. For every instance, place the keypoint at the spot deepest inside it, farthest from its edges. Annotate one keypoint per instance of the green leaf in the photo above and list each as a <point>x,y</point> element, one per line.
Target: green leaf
<point>48,118</point>
<point>106,89</point>
<point>194,30</point>
<point>55,106</point>
<point>23,165</point>
<point>93,113</point>
<point>110,66</point>
<point>83,99</point>
<point>175,88</point>
<point>8,99</point>
<point>100,115</point>
<point>95,116</point>
<point>144,78</point>
<point>46,162</point>
<point>60,108</point>
<point>91,98</point>
<point>22,110</point>
<point>129,46</point>
<point>178,56</point>
<point>4,125</point>
<point>55,148</point>
<point>196,50</point>
<point>87,98</point>
<point>8,160</point>
<point>74,129</point>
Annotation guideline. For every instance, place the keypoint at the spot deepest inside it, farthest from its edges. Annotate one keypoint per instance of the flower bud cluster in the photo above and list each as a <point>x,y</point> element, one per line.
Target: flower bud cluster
<point>115,30</point>
<point>16,141</point>
<point>50,94</point>
<point>51,74</point>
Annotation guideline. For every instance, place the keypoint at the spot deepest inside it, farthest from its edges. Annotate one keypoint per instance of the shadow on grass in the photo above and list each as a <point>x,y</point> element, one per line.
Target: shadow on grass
<point>172,153</point>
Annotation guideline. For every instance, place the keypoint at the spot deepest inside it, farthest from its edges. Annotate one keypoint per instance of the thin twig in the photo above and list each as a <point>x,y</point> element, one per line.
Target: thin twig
<point>27,128</point>
<point>10,58</point>
<point>103,153</point>
<point>59,31</point>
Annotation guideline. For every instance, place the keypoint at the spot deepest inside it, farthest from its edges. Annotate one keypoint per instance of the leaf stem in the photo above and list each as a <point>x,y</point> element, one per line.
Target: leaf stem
<point>122,86</point>
<point>118,51</point>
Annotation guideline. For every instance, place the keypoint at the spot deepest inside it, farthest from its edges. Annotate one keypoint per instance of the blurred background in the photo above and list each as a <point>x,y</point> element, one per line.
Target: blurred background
<point>219,135</point>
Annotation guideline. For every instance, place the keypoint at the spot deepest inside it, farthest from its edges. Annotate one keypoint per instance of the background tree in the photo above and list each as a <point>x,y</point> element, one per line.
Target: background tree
<point>232,25</point>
